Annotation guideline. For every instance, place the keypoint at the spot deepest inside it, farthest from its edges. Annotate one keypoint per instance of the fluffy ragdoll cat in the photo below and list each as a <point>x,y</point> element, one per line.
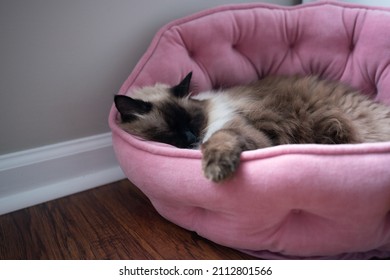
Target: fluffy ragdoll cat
<point>271,111</point>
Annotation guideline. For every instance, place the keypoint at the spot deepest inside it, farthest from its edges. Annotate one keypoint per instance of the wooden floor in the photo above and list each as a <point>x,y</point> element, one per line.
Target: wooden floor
<point>115,221</point>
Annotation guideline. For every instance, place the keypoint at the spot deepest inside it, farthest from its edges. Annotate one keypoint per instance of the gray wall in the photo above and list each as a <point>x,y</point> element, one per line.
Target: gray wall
<point>61,62</point>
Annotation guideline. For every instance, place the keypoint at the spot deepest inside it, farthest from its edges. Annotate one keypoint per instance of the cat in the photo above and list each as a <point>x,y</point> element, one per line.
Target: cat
<point>273,111</point>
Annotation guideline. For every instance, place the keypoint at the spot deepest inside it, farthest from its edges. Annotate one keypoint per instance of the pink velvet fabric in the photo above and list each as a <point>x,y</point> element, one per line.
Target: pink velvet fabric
<point>291,201</point>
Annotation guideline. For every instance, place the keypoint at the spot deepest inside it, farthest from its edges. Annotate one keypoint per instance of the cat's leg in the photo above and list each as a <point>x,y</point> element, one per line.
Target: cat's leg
<point>332,127</point>
<point>222,151</point>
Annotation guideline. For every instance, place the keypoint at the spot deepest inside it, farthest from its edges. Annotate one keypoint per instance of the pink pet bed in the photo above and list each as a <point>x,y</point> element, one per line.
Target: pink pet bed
<point>289,201</point>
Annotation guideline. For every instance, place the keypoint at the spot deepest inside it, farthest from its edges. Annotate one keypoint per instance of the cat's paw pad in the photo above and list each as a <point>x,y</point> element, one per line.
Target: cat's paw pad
<point>219,164</point>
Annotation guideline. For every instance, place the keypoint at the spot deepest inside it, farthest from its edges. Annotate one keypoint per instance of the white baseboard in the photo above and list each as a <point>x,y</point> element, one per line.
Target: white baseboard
<point>38,175</point>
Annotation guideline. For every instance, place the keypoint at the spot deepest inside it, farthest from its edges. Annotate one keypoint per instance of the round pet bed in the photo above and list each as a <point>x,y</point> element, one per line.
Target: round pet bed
<point>289,201</point>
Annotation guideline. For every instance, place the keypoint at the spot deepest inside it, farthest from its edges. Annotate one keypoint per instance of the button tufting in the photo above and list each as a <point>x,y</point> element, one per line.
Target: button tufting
<point>351,47</point>
<point>296,211</point>
<point>235,46</point>
<point>191,53</point>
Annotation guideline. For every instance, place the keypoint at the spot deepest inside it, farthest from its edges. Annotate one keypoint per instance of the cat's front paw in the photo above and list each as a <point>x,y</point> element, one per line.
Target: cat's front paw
<point>219,162</point>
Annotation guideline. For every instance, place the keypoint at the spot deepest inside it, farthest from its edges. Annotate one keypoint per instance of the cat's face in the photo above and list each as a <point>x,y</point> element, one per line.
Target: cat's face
<point>164,114</point>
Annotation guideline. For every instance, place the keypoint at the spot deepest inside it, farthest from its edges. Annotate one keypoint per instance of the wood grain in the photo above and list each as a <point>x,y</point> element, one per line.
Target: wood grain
<point>115,221</point>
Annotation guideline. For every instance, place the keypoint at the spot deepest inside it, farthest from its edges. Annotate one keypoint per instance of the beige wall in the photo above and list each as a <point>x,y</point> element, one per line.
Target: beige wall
<point>61,62</point>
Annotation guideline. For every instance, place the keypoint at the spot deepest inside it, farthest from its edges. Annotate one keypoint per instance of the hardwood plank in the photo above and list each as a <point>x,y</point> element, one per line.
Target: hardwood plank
<point>115,221</point>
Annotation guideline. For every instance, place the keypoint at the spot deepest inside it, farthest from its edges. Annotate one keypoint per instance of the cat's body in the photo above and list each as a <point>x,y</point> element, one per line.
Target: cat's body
<point>272,111</point>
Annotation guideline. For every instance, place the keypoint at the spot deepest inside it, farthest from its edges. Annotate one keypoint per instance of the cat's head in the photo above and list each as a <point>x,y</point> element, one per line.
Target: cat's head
<point>163,114</point>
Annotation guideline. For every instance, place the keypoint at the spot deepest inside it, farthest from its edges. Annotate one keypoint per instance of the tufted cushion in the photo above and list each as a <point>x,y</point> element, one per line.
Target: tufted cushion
<point>288,201</point>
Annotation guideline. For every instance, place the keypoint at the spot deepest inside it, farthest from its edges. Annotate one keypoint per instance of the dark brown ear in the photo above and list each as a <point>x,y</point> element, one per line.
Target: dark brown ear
<point>183,88</point>
<point>129,107</point>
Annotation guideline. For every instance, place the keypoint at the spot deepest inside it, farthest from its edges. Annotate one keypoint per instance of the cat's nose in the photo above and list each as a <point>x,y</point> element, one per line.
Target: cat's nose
<point>190,137</point>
